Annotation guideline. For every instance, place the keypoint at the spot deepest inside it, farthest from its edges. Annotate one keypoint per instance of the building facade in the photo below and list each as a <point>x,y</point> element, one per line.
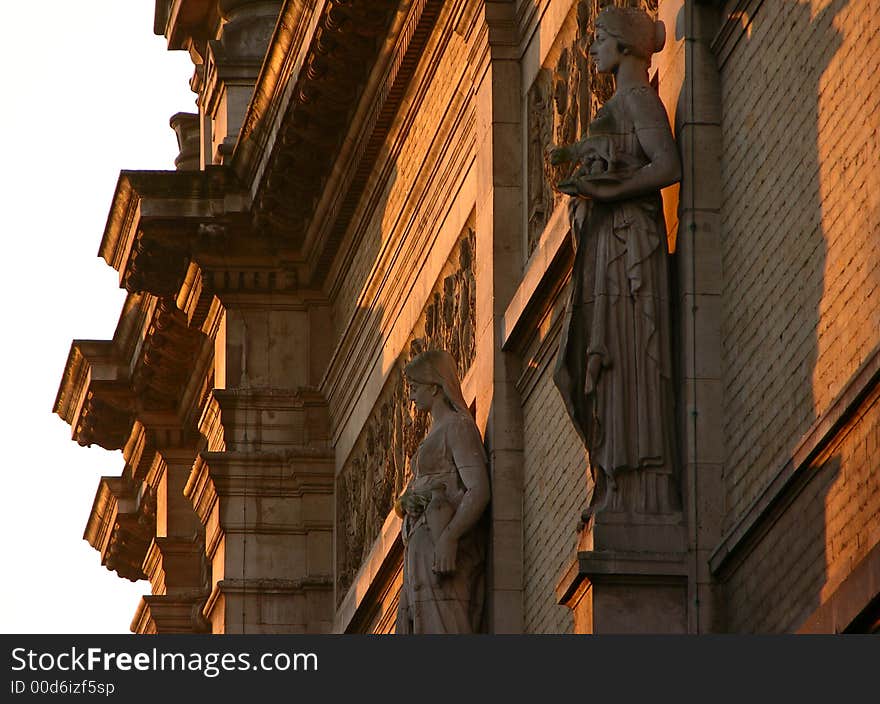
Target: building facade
<point>366,180</point>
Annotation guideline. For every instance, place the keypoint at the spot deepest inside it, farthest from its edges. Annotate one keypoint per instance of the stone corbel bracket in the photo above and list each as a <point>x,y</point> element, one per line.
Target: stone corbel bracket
<point>144,369</point>
<point>121,526</point>
<point>166,358</point>
<point>154,224</point>
<point>94,395</point>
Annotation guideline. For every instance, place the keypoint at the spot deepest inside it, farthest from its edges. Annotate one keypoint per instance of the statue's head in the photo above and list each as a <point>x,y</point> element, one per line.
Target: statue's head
<point>636,33</point>
<point>437,368</point>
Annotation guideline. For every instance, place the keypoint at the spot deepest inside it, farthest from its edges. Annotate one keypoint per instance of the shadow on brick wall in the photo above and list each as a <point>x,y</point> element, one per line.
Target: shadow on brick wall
<point>776,579</point>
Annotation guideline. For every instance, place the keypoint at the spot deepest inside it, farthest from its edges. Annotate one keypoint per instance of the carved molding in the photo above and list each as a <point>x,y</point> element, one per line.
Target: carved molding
<point>266,419</point>
<point>177,566</point>
<point>153,228</point>
<point>178,613</point>
<point>348,35</point>
<point>166,359</point>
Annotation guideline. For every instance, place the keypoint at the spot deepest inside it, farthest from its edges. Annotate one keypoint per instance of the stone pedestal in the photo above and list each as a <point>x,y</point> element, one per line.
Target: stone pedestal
<point>630,575</point>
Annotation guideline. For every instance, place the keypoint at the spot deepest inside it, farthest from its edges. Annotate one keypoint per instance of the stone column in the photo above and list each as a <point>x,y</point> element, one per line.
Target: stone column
<point>494,60</point>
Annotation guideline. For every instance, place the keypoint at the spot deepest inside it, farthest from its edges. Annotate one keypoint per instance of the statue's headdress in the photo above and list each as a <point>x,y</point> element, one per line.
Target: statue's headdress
<point>633,28</point>
<point>438,367</point>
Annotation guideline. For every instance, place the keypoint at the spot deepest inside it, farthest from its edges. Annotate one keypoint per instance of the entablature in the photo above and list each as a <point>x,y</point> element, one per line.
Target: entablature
<point>329,76</point>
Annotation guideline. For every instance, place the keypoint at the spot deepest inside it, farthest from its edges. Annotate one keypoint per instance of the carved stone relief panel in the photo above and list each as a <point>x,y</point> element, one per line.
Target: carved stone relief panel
<point>378,466</point>
<point>561,102</point>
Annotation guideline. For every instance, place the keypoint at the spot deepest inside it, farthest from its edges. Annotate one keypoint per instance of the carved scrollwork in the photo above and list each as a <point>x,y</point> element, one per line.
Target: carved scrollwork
<point>155,267</point>
<point>131,537</point>
<point>103,423</point>
<point>166,358</point>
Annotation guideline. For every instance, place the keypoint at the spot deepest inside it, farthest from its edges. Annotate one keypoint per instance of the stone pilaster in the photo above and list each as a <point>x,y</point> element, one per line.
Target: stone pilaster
<point>698,131</point>
<point>263,488</point>
<point>494,58</point>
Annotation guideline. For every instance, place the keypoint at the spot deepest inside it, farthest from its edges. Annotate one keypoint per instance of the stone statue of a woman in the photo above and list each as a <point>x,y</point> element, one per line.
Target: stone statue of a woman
<point>444,546</point>
<point>614,367</point>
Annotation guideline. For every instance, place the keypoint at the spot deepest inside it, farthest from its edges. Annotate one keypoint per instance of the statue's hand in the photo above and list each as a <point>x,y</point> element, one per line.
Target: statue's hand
<point>569,187</point>
<point>445,550</point>
<point>580,186</point>
<point>410,503</point>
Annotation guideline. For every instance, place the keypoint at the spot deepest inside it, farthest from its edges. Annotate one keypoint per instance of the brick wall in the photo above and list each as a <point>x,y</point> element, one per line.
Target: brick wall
<point>801,253</point>
<point>554,493</point>
<point>821,536</point>
<point>801,302</point>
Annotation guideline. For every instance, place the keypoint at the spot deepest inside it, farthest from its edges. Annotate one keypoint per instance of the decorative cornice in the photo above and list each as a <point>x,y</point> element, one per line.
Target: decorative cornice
<point>310,145</point>
<point>154,222</point>
<point>367,137</point>
<point>343,47</point>
<point>166,359</point>
<point>108,384</point>
<point>284,58</point>
<point>94,396</point>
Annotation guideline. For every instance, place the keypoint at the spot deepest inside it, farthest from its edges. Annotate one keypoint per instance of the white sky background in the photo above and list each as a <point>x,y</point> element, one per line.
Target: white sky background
<point>88,91</point>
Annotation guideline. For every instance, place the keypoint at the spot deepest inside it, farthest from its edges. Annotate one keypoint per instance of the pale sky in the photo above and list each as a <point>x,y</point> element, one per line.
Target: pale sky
<point>88,91</point>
